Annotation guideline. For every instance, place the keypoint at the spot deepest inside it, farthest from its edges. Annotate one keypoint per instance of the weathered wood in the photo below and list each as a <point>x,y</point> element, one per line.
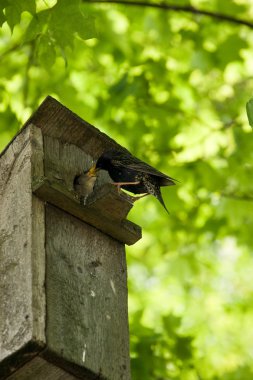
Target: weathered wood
<point>59,122</point>
<point>40,369</point>
<point>114,205</point>
<point>22,316</point>
<point>38,237</point>
<point>105,208</point>
<point>87,321</point>
<point>63,162</point>
<point>57,195</point>
<point>11,363</point>
<point>71,252</point>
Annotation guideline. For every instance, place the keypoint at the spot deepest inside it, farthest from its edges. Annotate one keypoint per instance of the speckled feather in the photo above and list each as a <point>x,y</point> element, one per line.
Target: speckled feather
<point>123,167</point>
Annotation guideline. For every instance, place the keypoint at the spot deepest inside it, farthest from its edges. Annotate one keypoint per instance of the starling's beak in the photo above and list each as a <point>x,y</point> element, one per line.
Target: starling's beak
<point>92,172</point>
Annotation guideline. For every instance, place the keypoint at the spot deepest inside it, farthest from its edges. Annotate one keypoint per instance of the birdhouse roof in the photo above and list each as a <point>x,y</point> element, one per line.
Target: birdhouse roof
<point>57,121</point>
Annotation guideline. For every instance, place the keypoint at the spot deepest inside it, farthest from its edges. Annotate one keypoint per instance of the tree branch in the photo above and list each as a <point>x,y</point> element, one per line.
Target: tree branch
<point>10,50</point>
<point>178,8</point>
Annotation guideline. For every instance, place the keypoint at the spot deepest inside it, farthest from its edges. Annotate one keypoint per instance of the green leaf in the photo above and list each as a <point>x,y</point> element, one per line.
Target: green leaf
<point>38,25</point>
<point>3,5</point>
<point>2,18</point>
<point>183,347</point>
<point>15,8</point>
<point>229,50</point>
<point>60,25</point>
<point>249,109</point>
<point>68,19</point>
<point>8,118</point>
<point>28,5</point>
<point>46,51</point>
<point>172,88</point>
<point>12,14</point>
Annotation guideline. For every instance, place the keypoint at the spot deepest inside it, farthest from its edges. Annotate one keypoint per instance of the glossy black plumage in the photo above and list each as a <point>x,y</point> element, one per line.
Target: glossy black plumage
<point>123,167</point>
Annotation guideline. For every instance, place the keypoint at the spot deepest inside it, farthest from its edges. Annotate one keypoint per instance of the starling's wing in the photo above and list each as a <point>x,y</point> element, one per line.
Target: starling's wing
<point>133,163</point>
<point>158,195</point>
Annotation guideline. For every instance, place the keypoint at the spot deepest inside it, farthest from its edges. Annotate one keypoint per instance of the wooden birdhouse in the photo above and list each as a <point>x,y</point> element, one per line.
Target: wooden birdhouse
<point>63,283</point>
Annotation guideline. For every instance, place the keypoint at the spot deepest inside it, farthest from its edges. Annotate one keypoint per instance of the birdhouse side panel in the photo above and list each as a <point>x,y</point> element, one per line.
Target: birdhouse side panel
<point>87,316</point>
<point>21,321</point>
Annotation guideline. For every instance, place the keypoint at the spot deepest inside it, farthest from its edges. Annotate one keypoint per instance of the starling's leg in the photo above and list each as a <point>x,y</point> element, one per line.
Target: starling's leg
<point>125,183</point>
<point>118,184</point>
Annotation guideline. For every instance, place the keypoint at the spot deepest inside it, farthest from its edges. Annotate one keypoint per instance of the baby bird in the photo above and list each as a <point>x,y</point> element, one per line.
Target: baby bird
<point>84,183</point>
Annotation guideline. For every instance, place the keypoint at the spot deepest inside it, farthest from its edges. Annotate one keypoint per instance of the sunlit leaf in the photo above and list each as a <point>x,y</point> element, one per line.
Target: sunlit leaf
<point>172,88</point>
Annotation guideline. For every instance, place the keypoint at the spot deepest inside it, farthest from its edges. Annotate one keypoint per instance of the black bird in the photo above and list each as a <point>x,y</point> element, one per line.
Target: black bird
<point>132,174</point>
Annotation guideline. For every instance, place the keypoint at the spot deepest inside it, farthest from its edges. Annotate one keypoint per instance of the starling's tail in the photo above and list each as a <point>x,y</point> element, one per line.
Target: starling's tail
<point>158,195</point>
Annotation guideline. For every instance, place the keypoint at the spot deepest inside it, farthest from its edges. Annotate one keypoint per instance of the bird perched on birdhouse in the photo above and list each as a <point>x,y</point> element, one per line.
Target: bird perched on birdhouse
<point>132,174</point>
<point>84,183</point>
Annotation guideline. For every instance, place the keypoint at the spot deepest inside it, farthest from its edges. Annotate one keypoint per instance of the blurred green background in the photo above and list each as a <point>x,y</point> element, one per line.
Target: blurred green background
<point>171,86</point>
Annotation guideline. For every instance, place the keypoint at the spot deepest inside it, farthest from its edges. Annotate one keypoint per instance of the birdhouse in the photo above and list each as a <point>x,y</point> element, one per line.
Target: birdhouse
<point>63,284</point>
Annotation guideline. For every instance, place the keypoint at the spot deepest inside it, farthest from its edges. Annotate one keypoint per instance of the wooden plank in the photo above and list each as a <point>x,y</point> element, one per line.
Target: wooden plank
<point>38,238</point>
<point>22,269</point>
<point>70,132</point>
<point>39,369</point>
<point>55,120</point>
<point>14,361</point>
<point>56,194</point>
<point>105,208</point>
<point>111,204</point>
<point>62,162</point>
<point>87,321</point>
<point>86,280</point>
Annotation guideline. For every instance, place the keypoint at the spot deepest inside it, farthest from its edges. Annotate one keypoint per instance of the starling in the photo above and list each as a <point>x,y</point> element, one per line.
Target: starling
<point>132,174</point>
<point>84,183</point>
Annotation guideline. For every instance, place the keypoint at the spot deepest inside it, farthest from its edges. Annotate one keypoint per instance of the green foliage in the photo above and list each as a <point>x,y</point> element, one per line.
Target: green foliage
<point>249,108</point>
<point>14,9</point>
<point>160,348</point>
<point>172,88</point>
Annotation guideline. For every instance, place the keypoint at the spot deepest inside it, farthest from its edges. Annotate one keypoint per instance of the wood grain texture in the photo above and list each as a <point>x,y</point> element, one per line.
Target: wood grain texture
<point>18,323</point>
<point>55,194</point>
<point>38,238</point>
<point>68,130</point>
<point>75,251</point>
<point>59,122</point>
<point>63,162</point>
<point>16,360</point>
<point>56,120</point>
<point>39,369</point>
<point>105,208</point>
<point>22,316</point>
<point>87,320</point>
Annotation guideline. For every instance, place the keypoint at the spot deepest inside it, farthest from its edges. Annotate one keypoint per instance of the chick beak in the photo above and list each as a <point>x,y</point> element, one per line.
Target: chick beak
<point>92,172</point>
